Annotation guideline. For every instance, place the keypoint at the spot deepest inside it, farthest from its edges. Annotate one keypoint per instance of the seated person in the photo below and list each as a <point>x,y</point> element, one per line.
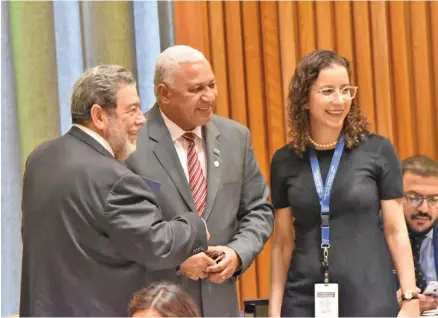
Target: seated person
<point>420,206</point>
<point>162,299</point>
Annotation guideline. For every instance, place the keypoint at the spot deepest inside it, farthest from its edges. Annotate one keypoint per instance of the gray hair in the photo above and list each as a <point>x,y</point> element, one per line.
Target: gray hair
<point>98,85</point>
<point>168,62</point>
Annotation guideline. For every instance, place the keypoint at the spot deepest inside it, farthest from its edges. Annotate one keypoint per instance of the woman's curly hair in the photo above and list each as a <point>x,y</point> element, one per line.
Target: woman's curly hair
<point>356,126</point>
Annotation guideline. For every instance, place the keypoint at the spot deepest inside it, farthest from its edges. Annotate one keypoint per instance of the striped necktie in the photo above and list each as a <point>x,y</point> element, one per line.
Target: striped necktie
<point>416,241</point>
<point>198,185</point>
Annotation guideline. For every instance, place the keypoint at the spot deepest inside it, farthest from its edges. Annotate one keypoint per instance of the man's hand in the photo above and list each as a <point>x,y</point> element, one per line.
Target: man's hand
<point>428,302</point>
<point>227,263</point>
<point>195,267</point>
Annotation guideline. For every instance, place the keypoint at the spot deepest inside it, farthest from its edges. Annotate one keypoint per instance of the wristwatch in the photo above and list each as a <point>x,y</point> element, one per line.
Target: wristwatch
<point>408,295</point>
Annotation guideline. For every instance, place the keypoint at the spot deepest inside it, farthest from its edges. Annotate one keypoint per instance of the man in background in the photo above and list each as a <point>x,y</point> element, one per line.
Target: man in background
<point>205,164</point>
<point>91,228</point>
<point>420,205</point>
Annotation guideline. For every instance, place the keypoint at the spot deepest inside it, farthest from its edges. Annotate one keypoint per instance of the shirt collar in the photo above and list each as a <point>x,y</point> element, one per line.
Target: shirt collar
<point>430,234</point>
<point>176,132</point>
<point>97,137</point>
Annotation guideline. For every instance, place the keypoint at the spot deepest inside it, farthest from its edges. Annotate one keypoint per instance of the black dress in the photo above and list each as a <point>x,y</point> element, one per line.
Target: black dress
<point>359,258</point>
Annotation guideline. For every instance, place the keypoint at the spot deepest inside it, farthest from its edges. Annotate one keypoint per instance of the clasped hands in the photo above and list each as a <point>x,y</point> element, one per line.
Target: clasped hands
<point>217,264</point>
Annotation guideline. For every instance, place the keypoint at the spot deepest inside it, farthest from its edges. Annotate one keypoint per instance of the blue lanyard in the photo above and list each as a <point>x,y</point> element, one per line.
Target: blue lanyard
<point>324,191</point>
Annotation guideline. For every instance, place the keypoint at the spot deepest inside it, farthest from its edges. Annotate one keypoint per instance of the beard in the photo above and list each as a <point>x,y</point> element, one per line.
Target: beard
<point>120,143</point>
<point>122,148</point>
<point>128,149</point>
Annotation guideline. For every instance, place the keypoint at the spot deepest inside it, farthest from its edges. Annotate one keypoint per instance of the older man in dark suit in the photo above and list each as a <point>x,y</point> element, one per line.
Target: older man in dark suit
<point>205,163</point>
<point>92,229</point>
<point>420,205</point>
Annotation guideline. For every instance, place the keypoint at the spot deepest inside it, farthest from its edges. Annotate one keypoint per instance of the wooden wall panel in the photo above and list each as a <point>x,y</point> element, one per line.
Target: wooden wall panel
<point>422,77</point>
<point>363,57</point>
<point>307,27</point>
<point>344,32</point>
<point>187,29</point>
<point>325,35</point>
<point>236,63</point>
<point>382,68</point>
<point>257,116</point>
<point>205,28</point>
<point>434,37</point>
<point>274,111</point>
<point>218,54</point>
<point>289,48</point>
<point>254,47</point>
<point>401,80</point>
<point>273,89</point>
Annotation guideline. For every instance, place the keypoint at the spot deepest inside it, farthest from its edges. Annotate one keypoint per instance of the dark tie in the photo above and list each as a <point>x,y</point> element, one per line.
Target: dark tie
<point>198,186</point>
<point>416,240</point>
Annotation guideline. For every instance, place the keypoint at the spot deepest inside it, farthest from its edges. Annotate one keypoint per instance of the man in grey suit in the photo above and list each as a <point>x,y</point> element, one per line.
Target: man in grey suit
<point>91,228</point>
<point>205,163</point>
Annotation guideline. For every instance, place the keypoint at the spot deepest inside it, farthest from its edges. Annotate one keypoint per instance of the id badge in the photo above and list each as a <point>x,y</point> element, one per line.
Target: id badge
<point>326,300</point>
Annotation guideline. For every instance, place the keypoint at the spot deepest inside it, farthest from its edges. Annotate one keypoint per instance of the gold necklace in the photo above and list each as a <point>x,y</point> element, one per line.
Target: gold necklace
<point>330,145</point>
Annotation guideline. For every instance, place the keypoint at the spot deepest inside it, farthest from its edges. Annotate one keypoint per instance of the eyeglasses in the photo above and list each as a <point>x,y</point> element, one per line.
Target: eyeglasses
<point>347,93</point>
<point>416,200</point>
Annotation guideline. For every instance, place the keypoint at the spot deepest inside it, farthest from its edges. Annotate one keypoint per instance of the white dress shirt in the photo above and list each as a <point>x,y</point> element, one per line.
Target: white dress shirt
<point>182,145</point>
<point>97,137</point>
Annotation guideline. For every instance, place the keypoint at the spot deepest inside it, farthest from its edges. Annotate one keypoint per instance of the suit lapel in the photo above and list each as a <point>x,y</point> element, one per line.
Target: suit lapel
<point>166,154</point>
<point>435,247</point>
<point>214,164</point>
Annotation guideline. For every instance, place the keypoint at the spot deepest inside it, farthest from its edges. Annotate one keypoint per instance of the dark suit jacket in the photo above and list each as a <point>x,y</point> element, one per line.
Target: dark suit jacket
<point>435,248</point>
<point>91,231</point>
<point>238,213</point>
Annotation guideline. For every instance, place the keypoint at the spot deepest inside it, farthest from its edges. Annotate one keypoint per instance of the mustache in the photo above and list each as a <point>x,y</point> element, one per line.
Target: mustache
<point>422,215</point>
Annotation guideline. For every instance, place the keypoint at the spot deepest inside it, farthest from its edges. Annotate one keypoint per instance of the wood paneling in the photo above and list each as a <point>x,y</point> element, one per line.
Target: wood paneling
<point>422,77</point>
<point>257,119</point>
<point>381,69</point>
<point>218,54</point>
<point>434,37</point>
<point>405,134</point>
<point>236,62</point>
<point>289,48</point>
<point>325,35</point>
<point>306,25</point>
<point>363,57</point>
<point>254,47</point>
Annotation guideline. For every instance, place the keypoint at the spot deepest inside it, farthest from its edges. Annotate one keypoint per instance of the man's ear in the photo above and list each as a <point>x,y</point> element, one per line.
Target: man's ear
<point>163,93</point>
<point>98,116</point>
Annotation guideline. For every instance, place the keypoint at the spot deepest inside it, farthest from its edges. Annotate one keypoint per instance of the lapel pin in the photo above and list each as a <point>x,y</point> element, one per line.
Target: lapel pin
<point>216,151</point>
<point>216,163</point>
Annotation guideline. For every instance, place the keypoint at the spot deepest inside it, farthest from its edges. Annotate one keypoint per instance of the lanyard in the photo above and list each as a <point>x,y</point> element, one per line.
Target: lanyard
<point>324,192</point>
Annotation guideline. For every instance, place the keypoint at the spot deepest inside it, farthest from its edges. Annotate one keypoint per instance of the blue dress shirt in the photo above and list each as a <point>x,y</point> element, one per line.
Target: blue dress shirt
<point>427,258</point>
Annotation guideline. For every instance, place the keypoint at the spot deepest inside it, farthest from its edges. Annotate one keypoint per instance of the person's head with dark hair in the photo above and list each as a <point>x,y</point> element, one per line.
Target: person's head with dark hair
<point>321,101</point>
<point>162,299</point>
<point>420,165</point>
<point>420,183</point>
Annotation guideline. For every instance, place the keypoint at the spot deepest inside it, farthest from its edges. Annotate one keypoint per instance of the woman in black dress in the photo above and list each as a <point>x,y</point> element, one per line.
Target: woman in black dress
<point>322,113</point>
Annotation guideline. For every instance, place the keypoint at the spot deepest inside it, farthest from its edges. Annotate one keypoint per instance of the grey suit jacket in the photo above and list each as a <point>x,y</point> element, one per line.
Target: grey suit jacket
<point>91,231</point>
<point>238,213</point>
